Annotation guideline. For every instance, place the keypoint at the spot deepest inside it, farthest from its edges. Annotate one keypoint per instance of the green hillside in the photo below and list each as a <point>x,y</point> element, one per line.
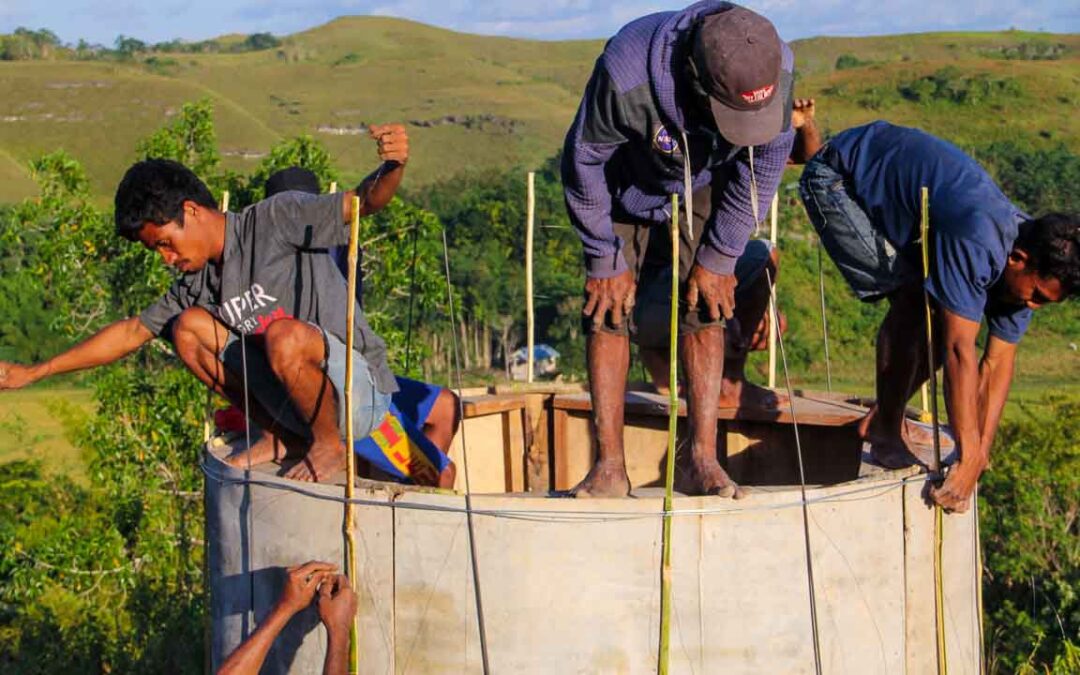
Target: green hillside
<point>483,102</point>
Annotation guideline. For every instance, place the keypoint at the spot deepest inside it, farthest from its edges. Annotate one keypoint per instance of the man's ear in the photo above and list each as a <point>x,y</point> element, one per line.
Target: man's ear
<point>190,211</point>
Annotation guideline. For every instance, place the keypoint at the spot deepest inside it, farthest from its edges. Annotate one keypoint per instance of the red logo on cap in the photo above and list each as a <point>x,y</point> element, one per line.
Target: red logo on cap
<point>758,95</point>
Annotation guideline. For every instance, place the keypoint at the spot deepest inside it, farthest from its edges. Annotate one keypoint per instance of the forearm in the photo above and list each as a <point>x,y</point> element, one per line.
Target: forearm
<point>807,142</point>
<point>995,378</point>
<point>962,397</point>
<point>248,657</point>
<point>111,343</point>
<point>379,188</point>
<point>337,652</point>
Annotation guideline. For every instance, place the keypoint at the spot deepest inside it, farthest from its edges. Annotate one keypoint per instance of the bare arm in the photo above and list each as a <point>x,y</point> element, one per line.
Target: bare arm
<point>962,403</point>
<point>302,583</point>
<point>111,343</point>
<point>248,657</point>
<point>995,377</point>
<point>379,188</point>
<point>807,135</point>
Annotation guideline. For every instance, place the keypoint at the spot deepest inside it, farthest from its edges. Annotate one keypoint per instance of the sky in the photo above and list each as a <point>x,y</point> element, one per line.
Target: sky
<point>159,20</point>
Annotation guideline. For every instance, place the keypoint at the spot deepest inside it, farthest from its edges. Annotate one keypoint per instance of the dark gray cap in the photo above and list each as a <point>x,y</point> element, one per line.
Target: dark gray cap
<point>737,55</point>
<point>292,178</point>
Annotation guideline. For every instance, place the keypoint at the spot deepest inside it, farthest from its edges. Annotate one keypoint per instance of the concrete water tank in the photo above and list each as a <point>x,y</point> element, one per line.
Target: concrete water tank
<point>574,586</point>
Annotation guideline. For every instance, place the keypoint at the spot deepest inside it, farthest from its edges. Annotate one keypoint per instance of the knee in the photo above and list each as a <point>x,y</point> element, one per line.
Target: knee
<point>287,340</point>
<point>189,330</point>
<point>449,410</point>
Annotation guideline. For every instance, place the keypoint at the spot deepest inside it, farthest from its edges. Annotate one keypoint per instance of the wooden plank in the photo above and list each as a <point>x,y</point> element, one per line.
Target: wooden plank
<point>807,411</point>
<point>559,450</point>
<point>489,404</point>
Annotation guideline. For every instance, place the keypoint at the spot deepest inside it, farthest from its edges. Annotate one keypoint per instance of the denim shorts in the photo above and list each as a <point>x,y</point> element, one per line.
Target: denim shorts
<point>871,265</point>
<point>369,405</point>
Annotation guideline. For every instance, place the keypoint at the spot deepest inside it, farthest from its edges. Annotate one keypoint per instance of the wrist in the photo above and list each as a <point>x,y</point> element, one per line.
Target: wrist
<point>40,371</point>
<point>336,633</point>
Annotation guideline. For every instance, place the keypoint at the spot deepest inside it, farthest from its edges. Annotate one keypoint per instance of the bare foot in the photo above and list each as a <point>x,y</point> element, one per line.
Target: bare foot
<point>320,462</point>
<point>710,479</point>
<point>742,394</point>
<point>955,493</point>
<point>914,445</point>
<point>603,481</point>
<point>269,448</point>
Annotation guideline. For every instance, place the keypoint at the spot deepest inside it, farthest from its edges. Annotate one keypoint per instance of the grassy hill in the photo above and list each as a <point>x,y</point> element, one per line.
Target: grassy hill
<point>473,101</point>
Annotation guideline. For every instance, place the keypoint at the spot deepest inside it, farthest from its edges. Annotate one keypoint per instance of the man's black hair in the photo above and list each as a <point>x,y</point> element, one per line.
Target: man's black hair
<point>1052,243</point>
<point>154,191</point>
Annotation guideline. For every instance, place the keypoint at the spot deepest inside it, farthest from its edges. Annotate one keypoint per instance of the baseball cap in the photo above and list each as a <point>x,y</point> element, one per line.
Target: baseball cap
<point>737,56</point>
<point>292,178</point>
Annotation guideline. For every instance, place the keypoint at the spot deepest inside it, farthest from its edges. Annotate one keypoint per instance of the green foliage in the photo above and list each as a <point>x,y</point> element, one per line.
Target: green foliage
<point>190,139</point>
<point>25,44</point>
<point>951,85</point>
<point>1040,180</point>
<point>1030,500</point>
<point>1031,50</point>
<point>846,61</point>
<point>302,151</point>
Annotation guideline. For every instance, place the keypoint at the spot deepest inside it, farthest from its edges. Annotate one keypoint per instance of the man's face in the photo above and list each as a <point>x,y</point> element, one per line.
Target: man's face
<point>180,246</point>
<point>1021,284</point>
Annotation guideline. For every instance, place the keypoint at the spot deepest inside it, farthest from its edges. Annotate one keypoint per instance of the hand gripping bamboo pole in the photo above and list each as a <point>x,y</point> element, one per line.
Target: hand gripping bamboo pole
<point>673,423</point>
<point>939,578</point>
<point>530,362</point>
<point>350,457</point>
<point>773,328</point>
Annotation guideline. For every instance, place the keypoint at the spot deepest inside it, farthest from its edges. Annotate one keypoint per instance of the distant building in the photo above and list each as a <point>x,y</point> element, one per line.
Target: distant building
<point>546,362</point>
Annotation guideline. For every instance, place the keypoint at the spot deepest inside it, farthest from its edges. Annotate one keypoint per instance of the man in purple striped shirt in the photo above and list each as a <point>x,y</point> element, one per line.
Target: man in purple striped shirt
<point>697,101</point>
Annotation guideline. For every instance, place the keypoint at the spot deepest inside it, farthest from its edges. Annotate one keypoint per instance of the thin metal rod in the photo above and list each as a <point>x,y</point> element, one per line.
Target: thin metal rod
<point>664,656</point>
<point>348,525</point>
<point>530,208</point>
<point>465,461</point>
<point>774,327</point>
<point>802,487</point>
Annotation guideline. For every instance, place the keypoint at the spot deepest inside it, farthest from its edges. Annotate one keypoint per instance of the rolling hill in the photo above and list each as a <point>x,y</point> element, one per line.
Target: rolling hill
<point>480,102</point>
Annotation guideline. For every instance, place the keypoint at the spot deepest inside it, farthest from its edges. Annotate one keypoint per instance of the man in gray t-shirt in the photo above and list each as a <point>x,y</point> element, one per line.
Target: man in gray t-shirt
<point>258,300</point>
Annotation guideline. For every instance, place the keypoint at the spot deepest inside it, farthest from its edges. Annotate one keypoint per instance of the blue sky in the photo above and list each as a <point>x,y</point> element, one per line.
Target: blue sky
<point>162,20</point>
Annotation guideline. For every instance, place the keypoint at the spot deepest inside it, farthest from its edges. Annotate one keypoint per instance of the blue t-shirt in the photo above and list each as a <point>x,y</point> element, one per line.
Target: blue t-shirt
<point>972,224</point>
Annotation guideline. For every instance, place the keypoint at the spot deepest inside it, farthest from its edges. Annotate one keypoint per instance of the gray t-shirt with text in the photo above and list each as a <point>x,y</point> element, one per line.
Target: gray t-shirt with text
<point>275,266</point>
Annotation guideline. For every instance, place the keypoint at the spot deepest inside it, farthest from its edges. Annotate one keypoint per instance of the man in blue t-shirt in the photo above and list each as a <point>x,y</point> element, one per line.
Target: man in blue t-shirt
<point>986,258</point>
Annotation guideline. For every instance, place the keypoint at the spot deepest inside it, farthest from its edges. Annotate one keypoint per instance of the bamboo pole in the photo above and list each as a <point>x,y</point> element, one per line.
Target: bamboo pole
<point>333,187</point>
<point>673,423</point>
<point>224,207</point>
<point>939,578</point>
<point>350,457</point>
<point>773,327</point>
<point>529,310</point>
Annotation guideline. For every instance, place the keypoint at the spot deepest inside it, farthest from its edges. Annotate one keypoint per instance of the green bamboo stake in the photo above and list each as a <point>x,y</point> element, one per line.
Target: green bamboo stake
<point>939,525</point>
<point>673,422</point>
<point>348,524</point>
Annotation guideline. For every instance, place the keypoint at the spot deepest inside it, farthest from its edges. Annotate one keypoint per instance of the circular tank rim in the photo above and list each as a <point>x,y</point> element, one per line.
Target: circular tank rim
<point>645,502</point>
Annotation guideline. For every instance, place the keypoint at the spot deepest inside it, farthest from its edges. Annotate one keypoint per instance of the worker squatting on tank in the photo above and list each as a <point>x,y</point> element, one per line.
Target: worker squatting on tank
<point>258,285</point>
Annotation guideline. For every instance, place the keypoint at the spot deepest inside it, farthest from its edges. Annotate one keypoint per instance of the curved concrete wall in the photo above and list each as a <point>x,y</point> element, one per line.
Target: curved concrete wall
<point>574,586</point>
